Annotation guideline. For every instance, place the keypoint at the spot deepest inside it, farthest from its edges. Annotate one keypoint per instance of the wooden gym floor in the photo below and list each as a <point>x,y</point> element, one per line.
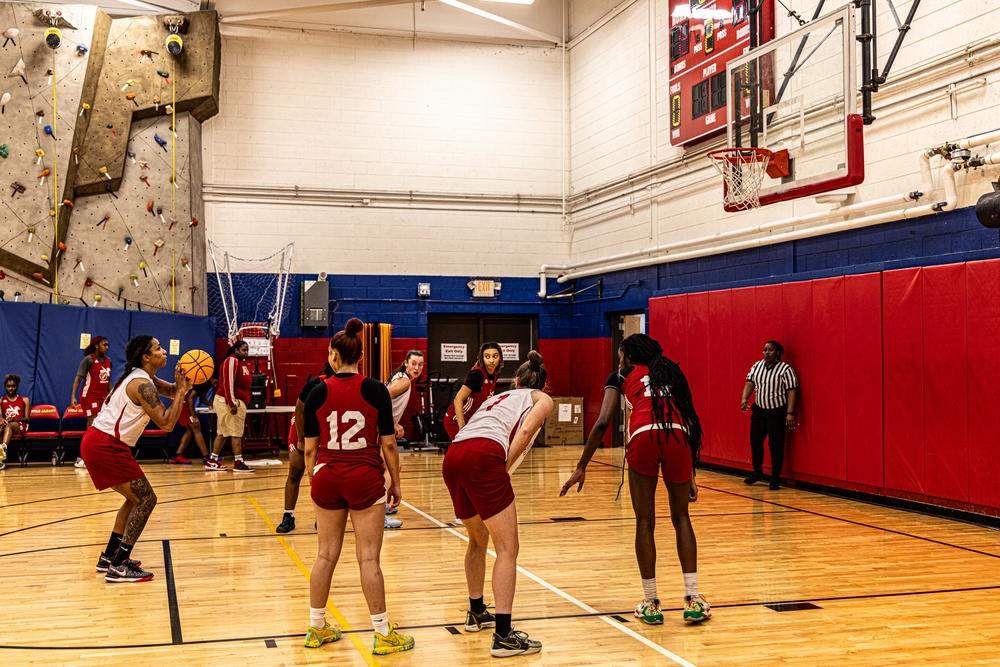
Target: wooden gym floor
<point>795,578</point>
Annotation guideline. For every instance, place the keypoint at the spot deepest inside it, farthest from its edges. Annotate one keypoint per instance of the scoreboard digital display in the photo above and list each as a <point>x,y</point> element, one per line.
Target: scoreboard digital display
<point>704,36</point>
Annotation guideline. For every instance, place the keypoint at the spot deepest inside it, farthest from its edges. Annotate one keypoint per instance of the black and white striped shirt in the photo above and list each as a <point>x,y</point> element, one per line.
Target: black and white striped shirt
<point>772,384</point>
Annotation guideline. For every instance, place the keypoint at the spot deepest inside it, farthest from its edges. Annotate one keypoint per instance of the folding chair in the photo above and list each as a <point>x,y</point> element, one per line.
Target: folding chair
<point>42,427</point>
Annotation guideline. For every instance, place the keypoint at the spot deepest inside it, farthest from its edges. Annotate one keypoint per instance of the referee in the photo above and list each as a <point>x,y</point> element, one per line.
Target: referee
<point>773,411</point>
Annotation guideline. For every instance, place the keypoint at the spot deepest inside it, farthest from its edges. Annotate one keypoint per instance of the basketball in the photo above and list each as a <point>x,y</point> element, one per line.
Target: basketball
<point>197,366</point>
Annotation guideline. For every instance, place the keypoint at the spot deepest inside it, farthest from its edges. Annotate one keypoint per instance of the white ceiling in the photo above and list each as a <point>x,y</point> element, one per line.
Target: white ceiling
<point>540,22</point>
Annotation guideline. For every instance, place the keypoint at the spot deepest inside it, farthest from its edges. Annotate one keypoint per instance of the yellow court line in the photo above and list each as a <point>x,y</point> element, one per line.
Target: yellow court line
<point>337,616</point>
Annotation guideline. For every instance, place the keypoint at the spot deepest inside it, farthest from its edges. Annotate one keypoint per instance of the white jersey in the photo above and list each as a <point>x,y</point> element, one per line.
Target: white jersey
<point>499,418</point>
<point>400,402</point>
<point>120,417</point>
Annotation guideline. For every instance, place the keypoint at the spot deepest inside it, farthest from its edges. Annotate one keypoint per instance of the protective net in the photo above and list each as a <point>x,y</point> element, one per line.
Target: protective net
<point>743,170</point>
<point>250,292</point>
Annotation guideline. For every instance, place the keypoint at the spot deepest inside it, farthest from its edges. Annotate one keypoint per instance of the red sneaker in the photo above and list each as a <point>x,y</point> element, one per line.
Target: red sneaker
<point>180,460</point>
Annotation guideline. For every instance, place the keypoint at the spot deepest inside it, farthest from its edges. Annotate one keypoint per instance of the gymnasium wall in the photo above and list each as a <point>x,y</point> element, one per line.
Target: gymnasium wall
<point>42,343</point>
<point>387,155</point>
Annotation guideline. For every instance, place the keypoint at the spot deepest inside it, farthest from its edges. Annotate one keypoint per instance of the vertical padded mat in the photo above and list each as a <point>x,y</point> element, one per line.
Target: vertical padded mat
<point>827,392</point>
<point>902,326</point>
<point>696,366</point>
<point>746,351</point>
<point>668,325</point>
<point>863,359</point>
<point>801,355</point>
<point>59,352</point>
<point>945,361</point>
<point>983,305</point>
<point>19,324</point>
<point>721,376</point>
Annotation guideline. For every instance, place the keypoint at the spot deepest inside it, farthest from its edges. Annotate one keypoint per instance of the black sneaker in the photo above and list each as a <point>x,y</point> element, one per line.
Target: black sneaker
<point>773,485</point>
<point>475,622</point>
<point>515,643</point>
<point>752,479</point>
<point>287,524</point>
<point>126,574</point>
<point>103,563</point>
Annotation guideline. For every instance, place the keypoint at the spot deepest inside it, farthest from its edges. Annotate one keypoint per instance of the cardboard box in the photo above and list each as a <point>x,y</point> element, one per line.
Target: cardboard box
<point>564,425</point>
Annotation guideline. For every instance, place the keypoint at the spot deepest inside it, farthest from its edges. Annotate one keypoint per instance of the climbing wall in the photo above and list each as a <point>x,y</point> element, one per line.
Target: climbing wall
<point>115,220</point>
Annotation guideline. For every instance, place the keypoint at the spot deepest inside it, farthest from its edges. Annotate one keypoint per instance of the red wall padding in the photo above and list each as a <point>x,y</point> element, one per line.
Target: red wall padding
<point>983,327</point>
<point>900,376</point>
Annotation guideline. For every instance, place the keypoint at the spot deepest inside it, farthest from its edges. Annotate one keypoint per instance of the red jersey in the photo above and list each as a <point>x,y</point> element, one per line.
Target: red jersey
<point>482,385</point>
<point>98,378</point>
<point>234,380</point>
<point>349,413</point>
<point>632,383</point>
<point>12,408</point>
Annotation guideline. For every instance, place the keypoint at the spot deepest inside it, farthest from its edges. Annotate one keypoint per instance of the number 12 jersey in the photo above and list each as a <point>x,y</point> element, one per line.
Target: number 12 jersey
<point>349,413</point>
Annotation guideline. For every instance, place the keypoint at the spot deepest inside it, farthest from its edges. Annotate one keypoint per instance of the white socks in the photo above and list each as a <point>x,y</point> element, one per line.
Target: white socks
<point>690,584</point>
<point>317,617</point>
<point>380,622</point>
<point>291,512</point>
<point>649,589</point>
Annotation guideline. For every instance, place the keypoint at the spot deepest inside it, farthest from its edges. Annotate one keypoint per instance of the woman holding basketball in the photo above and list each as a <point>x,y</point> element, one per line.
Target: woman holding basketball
<point>477,471</point>
<point>348,431</point>
<point>106,444</point>
<point>479,385</point>
<point>664,435</point>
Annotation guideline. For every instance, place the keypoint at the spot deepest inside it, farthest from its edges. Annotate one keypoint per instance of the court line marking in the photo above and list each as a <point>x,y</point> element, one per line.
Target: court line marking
<point>563,594</point>
<point>175,615</point>
<point>366,654</point>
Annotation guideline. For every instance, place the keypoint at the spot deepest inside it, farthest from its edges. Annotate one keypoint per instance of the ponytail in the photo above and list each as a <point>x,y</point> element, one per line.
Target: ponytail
<point>347,343</point>
<point>531,374</point>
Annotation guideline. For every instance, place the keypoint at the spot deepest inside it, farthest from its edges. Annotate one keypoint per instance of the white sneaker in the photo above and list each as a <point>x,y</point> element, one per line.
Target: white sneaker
<point>392,523</point>
<point>79,463</point>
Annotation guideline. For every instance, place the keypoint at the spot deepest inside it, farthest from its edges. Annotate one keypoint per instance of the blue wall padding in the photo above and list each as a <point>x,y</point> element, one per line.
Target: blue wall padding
<point>42,342</point>
<point>19,324</point>
<point>59,352</point>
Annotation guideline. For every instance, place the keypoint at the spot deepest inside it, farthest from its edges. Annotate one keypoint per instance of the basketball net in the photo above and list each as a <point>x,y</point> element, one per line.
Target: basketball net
<point>743,170</point>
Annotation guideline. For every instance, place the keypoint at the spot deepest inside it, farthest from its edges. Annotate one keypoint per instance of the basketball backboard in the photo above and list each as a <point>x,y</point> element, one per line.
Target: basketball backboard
<point>799,93</point>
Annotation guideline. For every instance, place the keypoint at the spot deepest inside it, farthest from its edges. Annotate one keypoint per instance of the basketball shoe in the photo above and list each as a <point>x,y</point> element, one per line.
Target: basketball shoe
<point>392,523</point>
<point>697,609</point>
<point>475,622</point>
<point>287,524</point>
<point>103,563</point>
<point>239,466</point>
<point>126,573</point>
<point>648,611</point>
<point>180,461</point>
<point>394,642</point>
<point>515,643</point>
<point>215,464</point>
<point>316,638</point>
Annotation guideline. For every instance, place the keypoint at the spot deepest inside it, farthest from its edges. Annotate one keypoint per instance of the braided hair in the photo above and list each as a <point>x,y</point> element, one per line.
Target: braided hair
<point>134,351</point>
<point>671,394</point>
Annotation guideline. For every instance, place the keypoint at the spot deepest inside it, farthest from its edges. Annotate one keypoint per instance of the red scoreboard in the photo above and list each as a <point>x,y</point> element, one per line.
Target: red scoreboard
<point>704,36</point>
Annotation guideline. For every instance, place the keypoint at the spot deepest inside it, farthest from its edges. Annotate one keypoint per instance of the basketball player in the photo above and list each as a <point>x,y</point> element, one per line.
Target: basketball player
<point>399,391</point>
<point>96,368</point>
<point>664,435</point>
<point>479,385</point>
<point>477,471</point>
<point>106,448</point>
<point>192,428</point>
<point>14,411</point>
<point>348,431</point>
<point>230,405</point>
<point>296,449</point>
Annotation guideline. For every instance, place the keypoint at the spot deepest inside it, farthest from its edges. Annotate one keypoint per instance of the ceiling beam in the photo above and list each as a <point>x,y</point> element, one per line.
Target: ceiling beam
<point>538,34</point>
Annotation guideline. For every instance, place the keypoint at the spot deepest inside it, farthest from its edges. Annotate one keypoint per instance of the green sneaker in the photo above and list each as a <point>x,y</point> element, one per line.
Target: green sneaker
<point>394,642</point>
<point>697,609</point>
<point>316,638</point>
<point>648,611</point>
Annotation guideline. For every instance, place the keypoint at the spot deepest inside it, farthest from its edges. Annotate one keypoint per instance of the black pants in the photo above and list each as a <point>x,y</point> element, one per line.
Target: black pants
<point>768,424</point>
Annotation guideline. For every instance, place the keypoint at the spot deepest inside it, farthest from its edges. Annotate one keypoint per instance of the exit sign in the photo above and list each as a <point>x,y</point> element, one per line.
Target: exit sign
<point>484,288</point>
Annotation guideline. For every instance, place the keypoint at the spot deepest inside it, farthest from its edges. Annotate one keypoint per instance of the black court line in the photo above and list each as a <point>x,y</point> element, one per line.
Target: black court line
<point>175,614</point>
<point>452,629</point>
<point>270,643</point>
<point>611,614</point>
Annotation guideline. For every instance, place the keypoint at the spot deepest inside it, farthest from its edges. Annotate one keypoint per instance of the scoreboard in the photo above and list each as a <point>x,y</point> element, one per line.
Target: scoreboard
<point>704,36</point>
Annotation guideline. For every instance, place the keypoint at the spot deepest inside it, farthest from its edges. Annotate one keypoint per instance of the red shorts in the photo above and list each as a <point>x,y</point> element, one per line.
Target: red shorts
<point>451,428</point>
<point>356,486</point>
<point>657,450</point>
<point>109,461</point>
<point>185,417</point>
<point>91,405</point>
<point>293,438</point>
<point>476,474</point>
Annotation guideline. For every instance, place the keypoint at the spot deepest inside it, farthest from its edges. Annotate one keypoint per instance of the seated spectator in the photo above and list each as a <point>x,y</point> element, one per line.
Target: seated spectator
<point>14,411</point>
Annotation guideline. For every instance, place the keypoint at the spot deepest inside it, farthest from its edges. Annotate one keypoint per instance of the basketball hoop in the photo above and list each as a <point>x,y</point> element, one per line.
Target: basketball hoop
<point>743,170</point>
